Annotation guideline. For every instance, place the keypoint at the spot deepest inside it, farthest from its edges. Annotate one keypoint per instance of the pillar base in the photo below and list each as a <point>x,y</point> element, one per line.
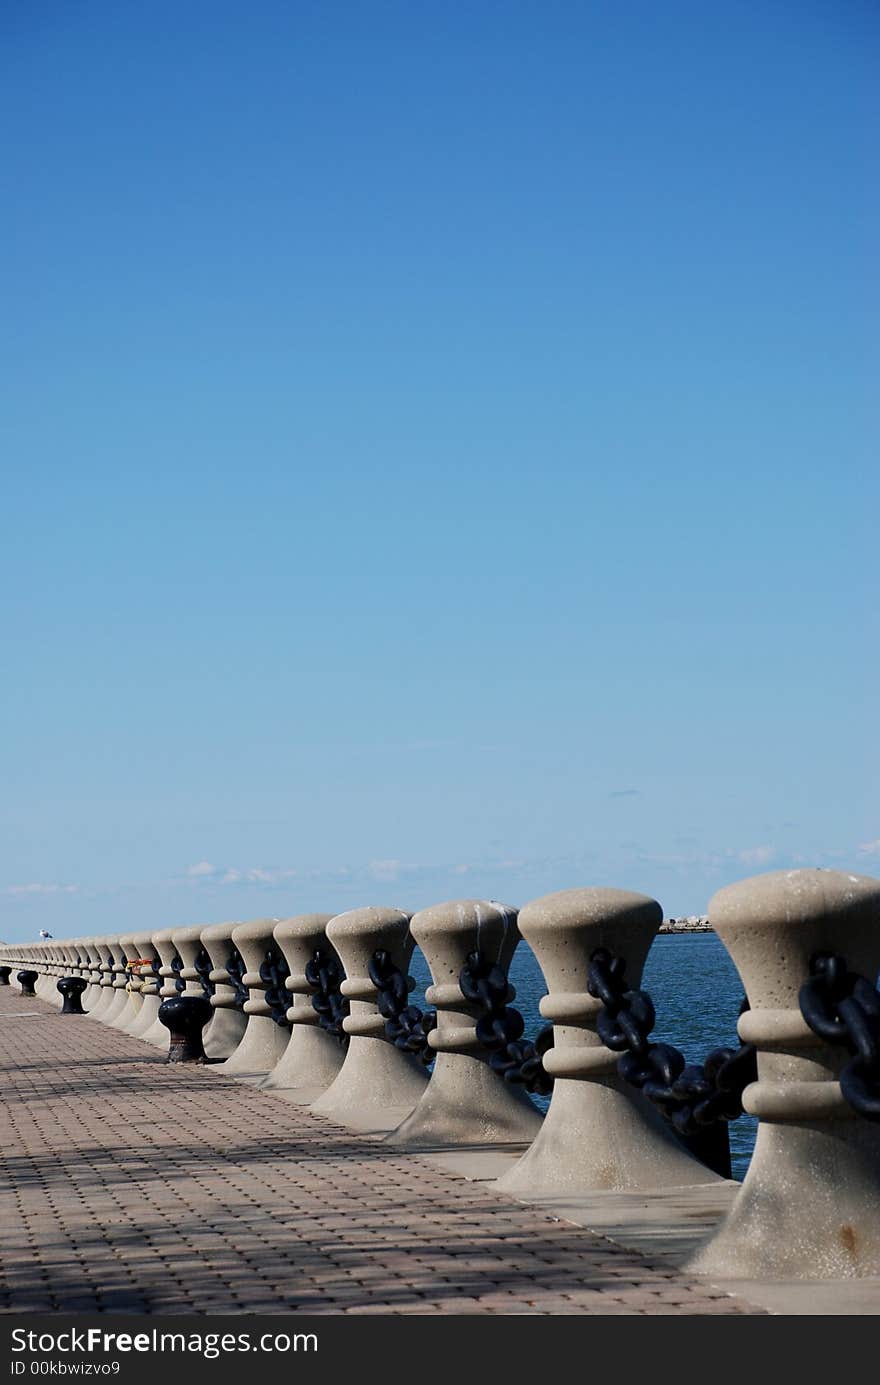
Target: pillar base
<point>596,1136</point>
<point>831,1230</point>
<point>467,1103</point>
<point>376,1089</point>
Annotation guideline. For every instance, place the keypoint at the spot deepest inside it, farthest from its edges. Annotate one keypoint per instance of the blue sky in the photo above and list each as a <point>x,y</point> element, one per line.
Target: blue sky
<point>439,453</point>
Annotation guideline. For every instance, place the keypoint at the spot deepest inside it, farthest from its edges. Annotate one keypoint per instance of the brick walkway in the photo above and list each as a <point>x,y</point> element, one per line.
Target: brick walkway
<point>132,1186</point>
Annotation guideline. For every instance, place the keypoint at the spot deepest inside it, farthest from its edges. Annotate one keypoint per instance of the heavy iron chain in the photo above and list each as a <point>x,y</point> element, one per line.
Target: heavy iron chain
<point>406,1026</point>
<point>275,971</point>
<point>500,1027</point>
<point>203,971</point>
<point>843,1008</point>
<point>325,976</point>
<point>235,970</point>
<point>691,1096</point>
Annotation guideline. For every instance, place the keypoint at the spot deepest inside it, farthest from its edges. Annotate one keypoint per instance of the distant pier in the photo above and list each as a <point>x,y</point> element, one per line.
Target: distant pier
<point>694,923</point>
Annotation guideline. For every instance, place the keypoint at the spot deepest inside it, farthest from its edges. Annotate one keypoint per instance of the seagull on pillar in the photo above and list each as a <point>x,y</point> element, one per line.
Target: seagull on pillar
<point>44,934</point>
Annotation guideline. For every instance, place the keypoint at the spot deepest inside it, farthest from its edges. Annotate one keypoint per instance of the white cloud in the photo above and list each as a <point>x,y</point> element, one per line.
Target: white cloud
<point>386,870</point>
<point>40,889</point>
<point>870,848</point>
<point>201,869</point>
<point>756,855</point>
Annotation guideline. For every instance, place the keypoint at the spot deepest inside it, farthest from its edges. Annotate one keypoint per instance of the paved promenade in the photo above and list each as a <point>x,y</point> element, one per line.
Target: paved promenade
<point>133,1186</point>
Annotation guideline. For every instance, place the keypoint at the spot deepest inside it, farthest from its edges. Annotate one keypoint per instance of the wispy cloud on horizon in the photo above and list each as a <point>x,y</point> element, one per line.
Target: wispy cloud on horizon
<point>625,793</point>
<point>37,888</point>
<point>870,848</point>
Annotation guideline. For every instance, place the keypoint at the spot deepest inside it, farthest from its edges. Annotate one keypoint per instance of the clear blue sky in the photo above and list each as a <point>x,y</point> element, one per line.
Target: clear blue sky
<point>439,452</point>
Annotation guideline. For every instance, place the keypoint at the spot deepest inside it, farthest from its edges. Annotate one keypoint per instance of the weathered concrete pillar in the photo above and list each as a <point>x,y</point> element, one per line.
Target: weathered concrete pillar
<point>44,986</point>
<point>93,962</point>
<point>465,1102</point>
<point>169,971</point>
<point>127,984</point>
<point>106,949</point>
<point>313,1057</point>
<point>809,1207</point>
<point>265,1039</point>
<point>598,1132</point>
<point>188,942</point>
<point>119,1006</point>
<point>27,979</point>
<point>147,981</point>
<point>228,1026</point>
<point>378,1085</point>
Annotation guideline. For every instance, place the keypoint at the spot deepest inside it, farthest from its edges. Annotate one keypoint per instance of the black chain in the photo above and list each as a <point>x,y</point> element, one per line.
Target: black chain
<point>325,976</point>
<point>177,968</point>
<point>500,1027</point>
<point>203,971</point>
<point>406,1025</point>
<point>235,970</point>
<point>691,1096</point>
<point>275,971</point>
<point>843,1008</point>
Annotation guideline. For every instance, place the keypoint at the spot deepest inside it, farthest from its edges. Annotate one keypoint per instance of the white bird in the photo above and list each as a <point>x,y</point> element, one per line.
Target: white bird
<point>44,934</point>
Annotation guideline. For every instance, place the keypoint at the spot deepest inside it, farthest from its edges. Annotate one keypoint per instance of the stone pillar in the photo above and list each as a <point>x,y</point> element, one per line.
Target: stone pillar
<point>228,1026</point>
<point>809,1207</point>
<point>265,1039</point>
<point>465,1102</point>
<point>119,1006</point>
<point>44,986</point>
<point>313,1057</point>
<point>93,961</point>
<point>106,948</point>
<point>148,984</point>
<point>378,1085</point>
<point>169,968</point>
<point>598,1132</point>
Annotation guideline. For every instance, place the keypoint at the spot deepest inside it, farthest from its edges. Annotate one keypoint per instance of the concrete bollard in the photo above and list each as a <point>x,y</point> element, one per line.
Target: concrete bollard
<point>92,961</point>
<point>106,964</point>
<point>126,981</point>
<point>27,981</point>
<point>809,1207</point>
<point>313,1057</point>
<point>170,985</point>
<point>598,1132</point>
<point>378,1085</point>
<point>148,982</point>
<point>185,1016</point>
<point>228,1026</point>
<point>465,1102</point>
<point>265,1038</point>
<point>119,1005</point>
<point>71,989</point>
<point>44,986</point>
<point>4,975</point>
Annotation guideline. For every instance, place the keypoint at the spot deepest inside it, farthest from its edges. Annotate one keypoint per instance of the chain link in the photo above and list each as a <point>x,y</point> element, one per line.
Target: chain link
<point>843,1008</point>
<point>691,1096</point>
<point>325,976</point>
<point>500,1028</point>
<point>406,1026</point>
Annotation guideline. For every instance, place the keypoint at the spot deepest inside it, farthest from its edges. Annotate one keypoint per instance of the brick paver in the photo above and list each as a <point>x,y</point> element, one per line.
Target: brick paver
<point>134,1186</point>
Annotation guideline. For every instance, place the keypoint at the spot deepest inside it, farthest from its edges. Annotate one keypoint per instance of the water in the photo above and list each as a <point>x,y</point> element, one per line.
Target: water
<point>697,994</point>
